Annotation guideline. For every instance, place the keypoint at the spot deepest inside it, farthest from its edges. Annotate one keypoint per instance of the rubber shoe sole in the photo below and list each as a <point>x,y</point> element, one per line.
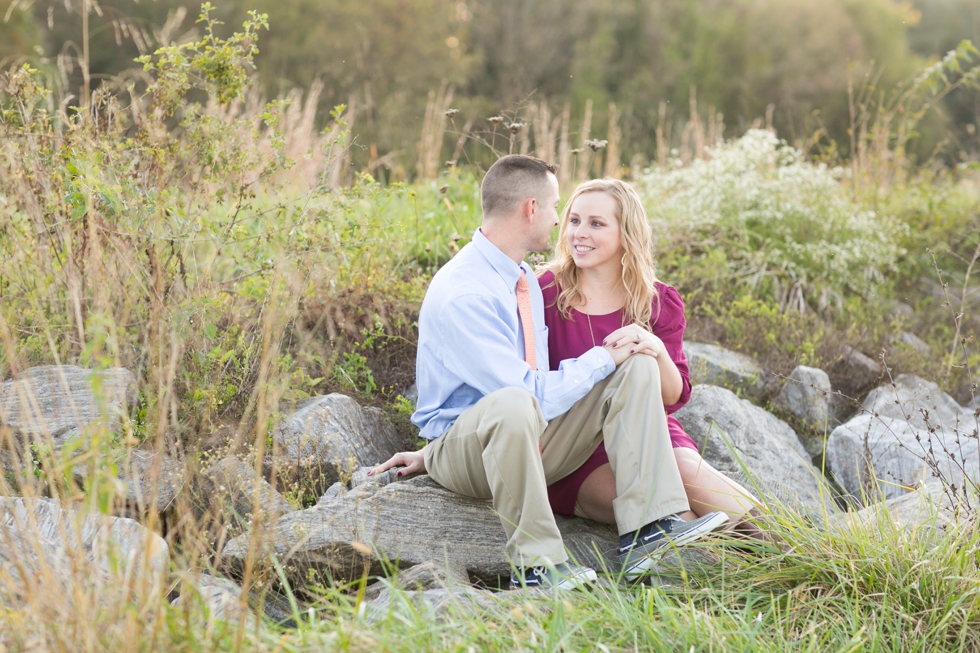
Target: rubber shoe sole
<point>638,560</point>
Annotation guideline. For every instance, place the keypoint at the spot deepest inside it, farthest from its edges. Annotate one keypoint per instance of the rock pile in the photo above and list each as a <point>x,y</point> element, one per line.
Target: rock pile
<point>431,543</point>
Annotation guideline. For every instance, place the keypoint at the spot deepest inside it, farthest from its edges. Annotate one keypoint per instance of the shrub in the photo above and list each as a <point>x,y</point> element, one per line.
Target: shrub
<point>756,212</point>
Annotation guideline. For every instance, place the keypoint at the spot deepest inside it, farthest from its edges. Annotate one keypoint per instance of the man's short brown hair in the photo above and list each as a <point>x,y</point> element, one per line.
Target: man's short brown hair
<point>511,180</point>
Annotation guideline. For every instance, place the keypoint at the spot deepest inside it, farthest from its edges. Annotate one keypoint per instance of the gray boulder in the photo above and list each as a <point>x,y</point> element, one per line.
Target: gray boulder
<point>908,431</point>
<point>913,342</point>
<point>853,373</point>
<point>714,365</point>
<point>407,523</point>
<point>412,394</point>
<point>55,403</point>
<point>732,433</point>
<point>922,402</point>
<point>152,478</point>
<point>928,511</point>
<point>222,599</point>
<point>50,551</point>
<point>432,574</point>
<point>329,437</point>
<point>434,604</point>
<point>806,396</point>
<point>231,491</point>
<point>148,478</point>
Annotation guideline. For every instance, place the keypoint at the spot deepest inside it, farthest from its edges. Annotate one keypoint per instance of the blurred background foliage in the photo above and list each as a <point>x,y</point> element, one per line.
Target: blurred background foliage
<point>641,60</point>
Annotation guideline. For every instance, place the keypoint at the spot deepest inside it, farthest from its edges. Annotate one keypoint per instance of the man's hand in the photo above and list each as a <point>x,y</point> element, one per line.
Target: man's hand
<point>414,462</point>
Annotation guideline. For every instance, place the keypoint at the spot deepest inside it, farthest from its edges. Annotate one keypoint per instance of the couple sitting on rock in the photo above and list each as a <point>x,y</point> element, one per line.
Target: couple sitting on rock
<point>551,394</point>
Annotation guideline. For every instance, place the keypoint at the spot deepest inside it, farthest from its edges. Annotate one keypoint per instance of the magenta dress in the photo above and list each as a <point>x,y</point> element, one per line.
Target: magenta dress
<point>572,338</point>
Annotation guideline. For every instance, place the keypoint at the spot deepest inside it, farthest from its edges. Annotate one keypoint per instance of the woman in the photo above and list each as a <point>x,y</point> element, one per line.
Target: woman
<point>600,280</point>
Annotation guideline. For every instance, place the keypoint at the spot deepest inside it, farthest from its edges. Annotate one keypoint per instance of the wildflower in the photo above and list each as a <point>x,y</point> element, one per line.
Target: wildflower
<point>515,127</point>
<point>451,112</point>
<point>496,120</point>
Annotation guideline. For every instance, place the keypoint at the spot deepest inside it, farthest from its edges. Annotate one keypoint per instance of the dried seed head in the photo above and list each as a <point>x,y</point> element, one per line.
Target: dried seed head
<point>443,189</point>
<point>451,112</point>
<point>450,164</point>
<point>596,145</point>
<point>515,127</point>
<point>496,120</point>
<point>575,152</point>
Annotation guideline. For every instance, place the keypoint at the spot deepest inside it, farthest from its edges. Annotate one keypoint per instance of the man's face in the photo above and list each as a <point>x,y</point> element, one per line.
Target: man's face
<point>545,218</point>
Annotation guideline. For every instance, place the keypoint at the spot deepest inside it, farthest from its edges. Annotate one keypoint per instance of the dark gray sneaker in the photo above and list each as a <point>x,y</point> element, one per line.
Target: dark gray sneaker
<point>564,576</point>
<point>639,550</point>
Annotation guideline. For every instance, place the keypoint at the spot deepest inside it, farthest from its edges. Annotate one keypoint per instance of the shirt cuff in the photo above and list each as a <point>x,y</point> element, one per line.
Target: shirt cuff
<point>601,362</point>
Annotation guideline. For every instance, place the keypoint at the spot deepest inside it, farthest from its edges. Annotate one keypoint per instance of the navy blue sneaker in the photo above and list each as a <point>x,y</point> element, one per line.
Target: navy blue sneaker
<point>563,576</point>
<point>638,550</point>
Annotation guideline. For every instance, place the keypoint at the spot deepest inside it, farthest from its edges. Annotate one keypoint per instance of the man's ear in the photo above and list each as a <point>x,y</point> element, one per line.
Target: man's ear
<point>529,209</point>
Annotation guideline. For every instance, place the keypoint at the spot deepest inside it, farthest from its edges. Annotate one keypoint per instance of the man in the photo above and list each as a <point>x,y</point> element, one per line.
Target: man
<point>501,426</point>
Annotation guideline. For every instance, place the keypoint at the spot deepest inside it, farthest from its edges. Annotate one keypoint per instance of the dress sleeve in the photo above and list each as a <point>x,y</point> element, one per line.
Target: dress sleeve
<point>669,327</point>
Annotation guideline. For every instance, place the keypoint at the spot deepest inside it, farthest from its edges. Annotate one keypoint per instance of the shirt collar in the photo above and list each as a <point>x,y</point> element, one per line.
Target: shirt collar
<point>500,262</point>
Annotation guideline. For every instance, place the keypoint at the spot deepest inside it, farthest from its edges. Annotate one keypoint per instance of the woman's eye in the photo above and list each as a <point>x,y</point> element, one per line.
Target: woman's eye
<point>596,223</point>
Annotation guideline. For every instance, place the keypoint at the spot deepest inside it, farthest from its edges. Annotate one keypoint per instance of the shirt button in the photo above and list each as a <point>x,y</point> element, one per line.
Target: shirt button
<point>602,369</point>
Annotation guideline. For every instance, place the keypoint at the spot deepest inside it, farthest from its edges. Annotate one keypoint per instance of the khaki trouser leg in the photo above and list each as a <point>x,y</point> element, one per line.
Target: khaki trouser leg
<point>626,411</point>
<point>491,452</point>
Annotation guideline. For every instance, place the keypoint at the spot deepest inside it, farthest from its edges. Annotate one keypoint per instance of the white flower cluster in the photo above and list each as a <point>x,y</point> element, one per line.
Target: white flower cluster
<point>776,218</point>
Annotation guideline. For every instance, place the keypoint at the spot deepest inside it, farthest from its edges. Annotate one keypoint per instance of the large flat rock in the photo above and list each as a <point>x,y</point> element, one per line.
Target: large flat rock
<point>407,523</point>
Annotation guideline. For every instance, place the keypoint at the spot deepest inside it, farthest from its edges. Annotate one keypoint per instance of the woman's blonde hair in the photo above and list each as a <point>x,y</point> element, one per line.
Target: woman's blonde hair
<point>639,273</point>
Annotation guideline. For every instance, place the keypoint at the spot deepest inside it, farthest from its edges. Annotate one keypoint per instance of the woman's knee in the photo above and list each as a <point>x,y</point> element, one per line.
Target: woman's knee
<point>689,463</point>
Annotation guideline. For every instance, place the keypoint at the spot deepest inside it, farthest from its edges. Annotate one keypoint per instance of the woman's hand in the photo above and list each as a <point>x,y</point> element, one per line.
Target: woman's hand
<point>637,339</point>
<point>414,462</point>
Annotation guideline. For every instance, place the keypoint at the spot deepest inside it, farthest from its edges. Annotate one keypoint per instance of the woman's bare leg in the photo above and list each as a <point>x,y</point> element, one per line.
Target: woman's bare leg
<point>595,497</point>
<point>708,490</point>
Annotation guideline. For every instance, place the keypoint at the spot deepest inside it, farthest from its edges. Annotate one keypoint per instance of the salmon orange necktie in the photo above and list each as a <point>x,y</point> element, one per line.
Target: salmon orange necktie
<point>527,322</point>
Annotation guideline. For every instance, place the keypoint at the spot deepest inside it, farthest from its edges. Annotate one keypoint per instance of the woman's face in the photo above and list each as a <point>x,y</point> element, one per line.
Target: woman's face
<point>593,234</point>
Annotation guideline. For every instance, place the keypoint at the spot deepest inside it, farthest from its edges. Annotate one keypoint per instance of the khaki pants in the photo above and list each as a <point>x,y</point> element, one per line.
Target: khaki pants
<point>492,452</point>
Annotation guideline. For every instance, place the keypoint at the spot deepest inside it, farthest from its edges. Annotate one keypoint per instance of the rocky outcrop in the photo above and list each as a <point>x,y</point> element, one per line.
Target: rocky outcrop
<point>806,396</point>
<point>327,438</point>
<point>907,432</point>
<point>406,523</point>
<point>46,549</point>
<point>714,365</point>
<point>755,448</point>
<point>55,403</point>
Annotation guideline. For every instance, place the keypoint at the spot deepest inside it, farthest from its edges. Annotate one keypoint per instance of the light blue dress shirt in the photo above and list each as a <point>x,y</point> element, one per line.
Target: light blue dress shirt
<point>471,342</point>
